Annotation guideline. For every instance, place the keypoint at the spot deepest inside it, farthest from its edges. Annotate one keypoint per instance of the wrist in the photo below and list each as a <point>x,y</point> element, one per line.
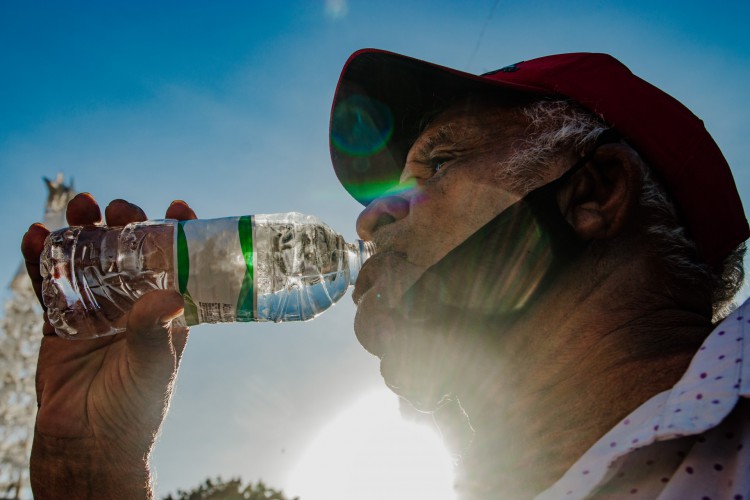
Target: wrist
<point>77,468</point>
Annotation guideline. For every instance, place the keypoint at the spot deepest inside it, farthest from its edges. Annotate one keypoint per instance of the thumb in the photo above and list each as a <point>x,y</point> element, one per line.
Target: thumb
<point>149,329</point>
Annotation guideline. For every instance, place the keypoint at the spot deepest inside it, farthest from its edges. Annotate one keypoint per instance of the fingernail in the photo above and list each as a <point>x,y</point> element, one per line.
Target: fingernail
<point>181,202</point>
<point>87,195</point>
<point>166,318</point>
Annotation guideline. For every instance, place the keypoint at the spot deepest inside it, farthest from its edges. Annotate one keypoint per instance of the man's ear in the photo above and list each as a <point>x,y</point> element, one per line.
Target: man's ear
<point>600,199</point>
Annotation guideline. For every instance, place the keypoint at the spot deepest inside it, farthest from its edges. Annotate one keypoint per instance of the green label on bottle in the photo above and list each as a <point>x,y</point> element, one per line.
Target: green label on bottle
<point>246,302</point>
<point>215,269</point>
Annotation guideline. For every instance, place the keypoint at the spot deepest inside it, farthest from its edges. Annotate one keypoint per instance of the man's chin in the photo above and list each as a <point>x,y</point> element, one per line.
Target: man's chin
<point>419,369</point>
<point>429,341</point>
<point>426,360</point>
<point>413,360</point>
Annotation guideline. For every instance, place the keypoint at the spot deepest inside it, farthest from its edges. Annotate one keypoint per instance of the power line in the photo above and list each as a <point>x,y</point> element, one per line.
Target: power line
<point>481,35</point>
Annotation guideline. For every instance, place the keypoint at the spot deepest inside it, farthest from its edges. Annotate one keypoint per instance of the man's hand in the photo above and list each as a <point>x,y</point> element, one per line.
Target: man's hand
<point>101,402</point>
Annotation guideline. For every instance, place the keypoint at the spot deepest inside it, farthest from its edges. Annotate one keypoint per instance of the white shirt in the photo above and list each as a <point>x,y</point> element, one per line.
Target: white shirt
<point>690,442</point>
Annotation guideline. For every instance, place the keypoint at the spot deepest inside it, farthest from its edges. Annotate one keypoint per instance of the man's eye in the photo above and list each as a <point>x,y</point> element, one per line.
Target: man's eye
<point>438,163</point>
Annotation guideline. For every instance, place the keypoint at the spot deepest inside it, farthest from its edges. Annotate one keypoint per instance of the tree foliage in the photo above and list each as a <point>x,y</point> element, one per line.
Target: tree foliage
<point>218,489</point>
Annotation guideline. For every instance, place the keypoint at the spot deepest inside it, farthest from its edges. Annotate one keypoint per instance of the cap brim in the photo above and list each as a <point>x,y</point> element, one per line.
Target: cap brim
<point>380,105</point>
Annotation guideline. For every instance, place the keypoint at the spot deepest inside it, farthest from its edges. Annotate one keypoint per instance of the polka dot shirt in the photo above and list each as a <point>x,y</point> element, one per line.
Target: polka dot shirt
<point>690,442</point>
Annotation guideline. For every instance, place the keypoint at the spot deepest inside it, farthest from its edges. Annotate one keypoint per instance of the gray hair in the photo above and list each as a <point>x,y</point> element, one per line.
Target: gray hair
<point>558,127</point>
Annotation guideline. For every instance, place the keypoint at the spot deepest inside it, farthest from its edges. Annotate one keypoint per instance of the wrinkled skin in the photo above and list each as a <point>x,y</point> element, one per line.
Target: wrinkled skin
<point>101,402</point>
<point>542,384</point>
<point>454,169</point>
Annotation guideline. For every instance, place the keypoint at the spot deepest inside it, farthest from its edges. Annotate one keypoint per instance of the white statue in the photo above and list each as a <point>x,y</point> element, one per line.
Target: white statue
<point>20,335</point>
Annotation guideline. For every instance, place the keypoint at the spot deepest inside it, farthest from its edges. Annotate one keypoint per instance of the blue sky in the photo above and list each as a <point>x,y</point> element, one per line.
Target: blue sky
<point>225,104</point>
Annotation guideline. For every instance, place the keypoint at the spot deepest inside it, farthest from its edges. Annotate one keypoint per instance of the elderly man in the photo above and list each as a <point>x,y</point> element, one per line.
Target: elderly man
<point>557,243</point>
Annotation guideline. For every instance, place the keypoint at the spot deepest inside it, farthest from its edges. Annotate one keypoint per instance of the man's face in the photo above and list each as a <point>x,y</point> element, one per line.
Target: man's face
<point>452,183</point>
<point>455,181</point>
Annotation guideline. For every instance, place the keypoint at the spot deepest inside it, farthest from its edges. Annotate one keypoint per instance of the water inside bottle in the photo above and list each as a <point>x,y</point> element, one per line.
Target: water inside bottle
<point>302,267</point>
<point>92,277</point>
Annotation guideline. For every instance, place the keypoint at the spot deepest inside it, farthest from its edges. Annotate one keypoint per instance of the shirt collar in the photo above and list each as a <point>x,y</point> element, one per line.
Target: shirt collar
<point>717,376</point>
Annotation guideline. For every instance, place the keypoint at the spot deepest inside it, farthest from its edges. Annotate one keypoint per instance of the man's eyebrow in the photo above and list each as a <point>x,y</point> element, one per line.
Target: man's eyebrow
<point>443,135</point>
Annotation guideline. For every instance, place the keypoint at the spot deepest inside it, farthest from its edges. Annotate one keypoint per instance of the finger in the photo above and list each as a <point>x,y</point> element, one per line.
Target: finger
<point>179,336</point>
<point>180,210</point>
<point>148,333</point>
<point>179,341</point>
<point>47,328</point>
<point>32,245</point>
<point>83,210</point>
<point>121,213</point>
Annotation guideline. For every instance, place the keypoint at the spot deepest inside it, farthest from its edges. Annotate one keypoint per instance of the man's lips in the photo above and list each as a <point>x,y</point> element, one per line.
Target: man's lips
<point>366,278</point>
<point>381,284</point>
<point>389,271</point>
<point>373,326</point>
<point>413,358</point>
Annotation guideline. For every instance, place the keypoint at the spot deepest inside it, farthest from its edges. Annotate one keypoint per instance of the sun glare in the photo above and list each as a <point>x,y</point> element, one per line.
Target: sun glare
<point>369,452</point>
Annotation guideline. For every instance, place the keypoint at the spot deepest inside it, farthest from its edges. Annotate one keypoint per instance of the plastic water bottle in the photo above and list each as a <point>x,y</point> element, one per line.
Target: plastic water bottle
<point>279,267</point>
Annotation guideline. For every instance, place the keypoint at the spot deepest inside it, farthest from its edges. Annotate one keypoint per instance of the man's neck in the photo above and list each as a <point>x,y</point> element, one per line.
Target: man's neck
<point>559,380</point>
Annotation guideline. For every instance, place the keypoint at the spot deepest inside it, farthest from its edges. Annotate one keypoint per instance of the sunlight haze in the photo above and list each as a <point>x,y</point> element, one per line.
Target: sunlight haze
<point>226,105</point>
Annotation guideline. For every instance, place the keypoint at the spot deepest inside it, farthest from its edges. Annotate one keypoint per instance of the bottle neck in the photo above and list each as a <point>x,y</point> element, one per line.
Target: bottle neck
<point>357,253</point>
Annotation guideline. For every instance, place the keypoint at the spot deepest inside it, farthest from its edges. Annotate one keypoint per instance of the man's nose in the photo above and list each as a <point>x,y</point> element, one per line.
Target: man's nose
<point>380,212</point>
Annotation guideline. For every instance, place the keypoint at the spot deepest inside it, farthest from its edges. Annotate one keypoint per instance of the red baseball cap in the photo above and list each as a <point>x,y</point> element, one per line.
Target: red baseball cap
<point>382,99</point>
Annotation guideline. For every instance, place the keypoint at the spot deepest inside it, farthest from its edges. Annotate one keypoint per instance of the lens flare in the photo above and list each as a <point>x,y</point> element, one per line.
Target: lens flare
<point>371,190</point>
<point>361,126</point>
